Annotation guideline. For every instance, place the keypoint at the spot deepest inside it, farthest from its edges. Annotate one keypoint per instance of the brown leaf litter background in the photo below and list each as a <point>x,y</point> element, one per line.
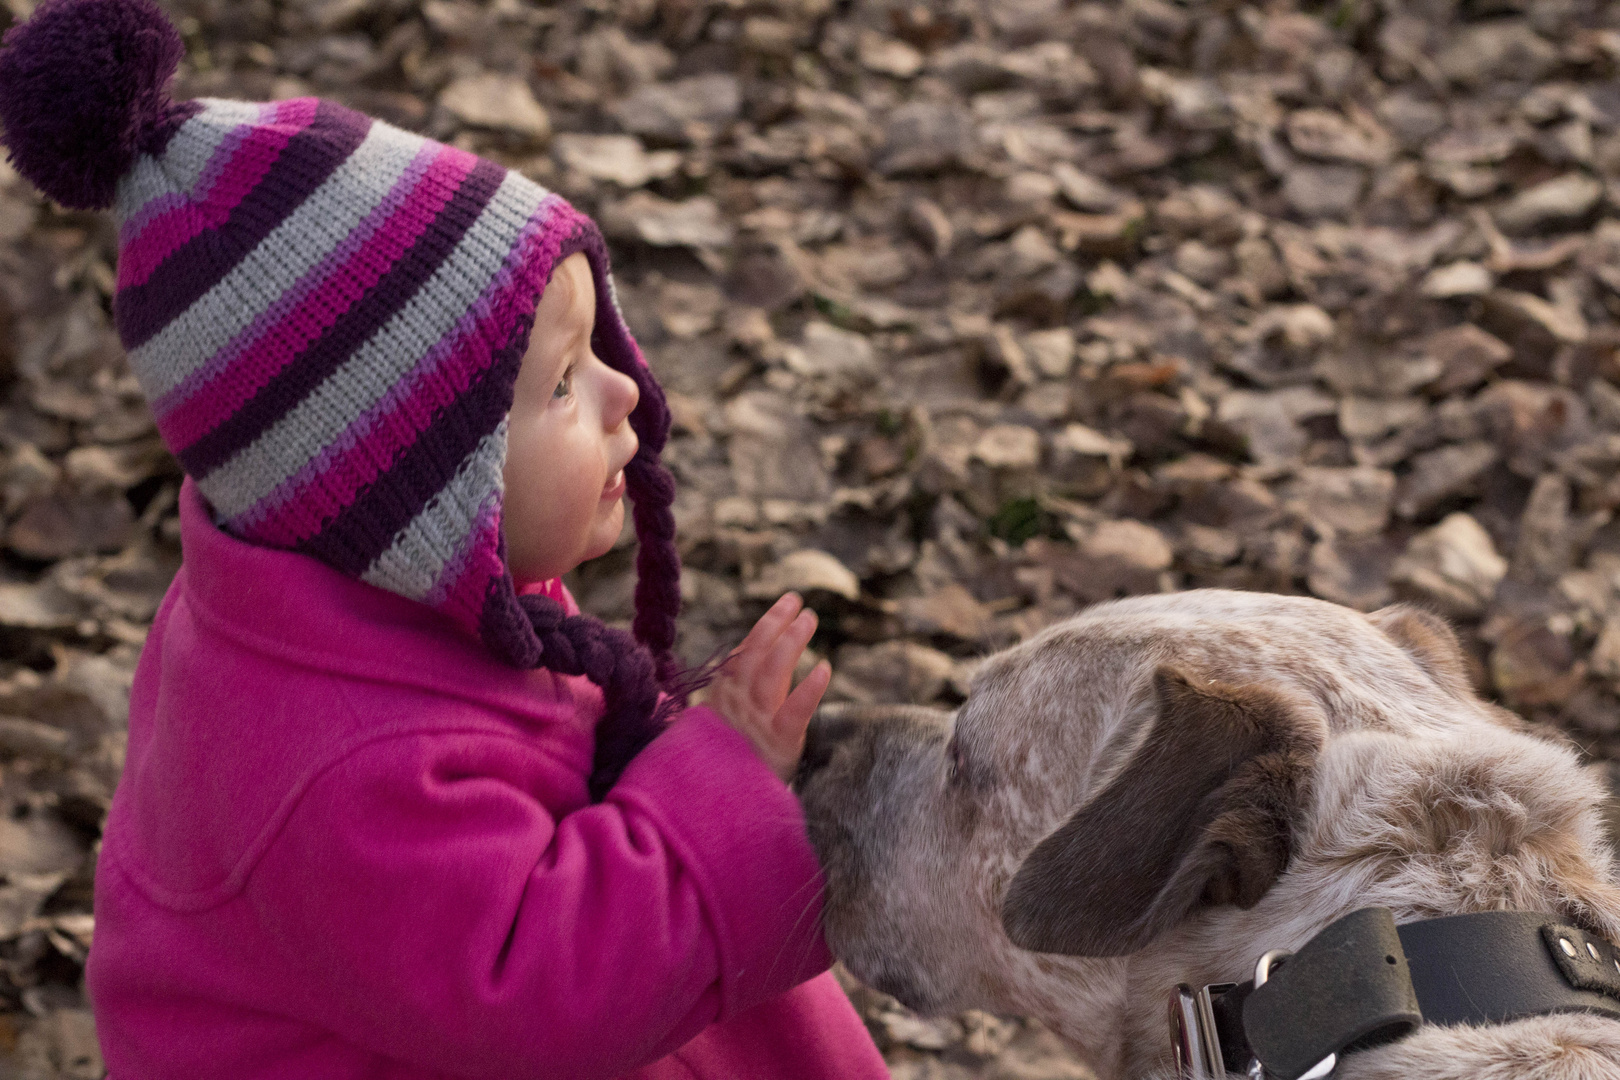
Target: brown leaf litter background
<point>972,313</point>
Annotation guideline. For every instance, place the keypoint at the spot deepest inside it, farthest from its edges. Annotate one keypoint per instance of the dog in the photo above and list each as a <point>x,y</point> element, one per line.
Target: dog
<point>1160,789</point>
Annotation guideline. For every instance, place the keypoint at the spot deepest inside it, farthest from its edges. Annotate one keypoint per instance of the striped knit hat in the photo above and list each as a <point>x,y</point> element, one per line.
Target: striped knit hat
<point>327,315</point>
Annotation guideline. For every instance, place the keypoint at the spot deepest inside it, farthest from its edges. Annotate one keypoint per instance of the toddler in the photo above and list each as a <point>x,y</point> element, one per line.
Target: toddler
<point>392,807</point>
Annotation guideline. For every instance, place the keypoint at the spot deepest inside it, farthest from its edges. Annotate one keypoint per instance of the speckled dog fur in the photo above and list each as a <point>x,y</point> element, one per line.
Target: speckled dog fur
<point>1418,796</point>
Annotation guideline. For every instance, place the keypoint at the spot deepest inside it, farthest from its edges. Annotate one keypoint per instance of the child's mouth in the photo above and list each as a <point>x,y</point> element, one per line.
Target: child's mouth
<point>615,487</point>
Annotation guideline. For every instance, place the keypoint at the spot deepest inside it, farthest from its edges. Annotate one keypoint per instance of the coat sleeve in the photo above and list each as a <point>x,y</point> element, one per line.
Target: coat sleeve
<point>440,915</point>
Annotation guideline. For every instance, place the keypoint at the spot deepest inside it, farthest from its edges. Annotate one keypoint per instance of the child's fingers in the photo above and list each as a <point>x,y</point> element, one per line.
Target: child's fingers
<point>794,715</point>
<point>764,633</point>
<point>773,676</point>
<point>771,624</point>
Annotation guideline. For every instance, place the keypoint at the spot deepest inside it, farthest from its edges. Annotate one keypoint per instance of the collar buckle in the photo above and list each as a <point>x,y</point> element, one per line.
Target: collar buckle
<point>1193,1034</point>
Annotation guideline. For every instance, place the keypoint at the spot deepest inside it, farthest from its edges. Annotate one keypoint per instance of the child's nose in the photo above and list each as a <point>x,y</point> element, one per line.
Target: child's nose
<point>622,396</point>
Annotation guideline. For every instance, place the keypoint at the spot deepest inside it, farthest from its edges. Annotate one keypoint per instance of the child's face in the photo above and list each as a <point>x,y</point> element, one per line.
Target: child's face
<point>568,439</point>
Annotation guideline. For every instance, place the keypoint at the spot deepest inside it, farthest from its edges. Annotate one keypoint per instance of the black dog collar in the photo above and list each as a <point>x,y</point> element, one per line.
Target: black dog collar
<point>1364,982</point>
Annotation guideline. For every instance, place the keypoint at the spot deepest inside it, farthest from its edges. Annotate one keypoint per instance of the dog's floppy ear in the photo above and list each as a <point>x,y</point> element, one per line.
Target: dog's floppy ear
<point>1202,814</point>
<point>1429,640</point>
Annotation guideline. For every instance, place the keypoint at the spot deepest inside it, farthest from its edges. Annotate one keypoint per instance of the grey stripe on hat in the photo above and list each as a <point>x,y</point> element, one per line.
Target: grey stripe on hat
<point>309,234</point>
<point>386,357</point>
<point>418,555</point>
<point>144,182</point>
<point>193,146</point>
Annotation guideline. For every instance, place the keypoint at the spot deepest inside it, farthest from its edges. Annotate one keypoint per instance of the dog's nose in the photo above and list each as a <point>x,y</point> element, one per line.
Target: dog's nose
<point>828,728</point>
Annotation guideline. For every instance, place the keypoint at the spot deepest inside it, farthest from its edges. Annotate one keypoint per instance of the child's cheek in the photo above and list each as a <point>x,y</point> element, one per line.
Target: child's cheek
<point>571,474</point>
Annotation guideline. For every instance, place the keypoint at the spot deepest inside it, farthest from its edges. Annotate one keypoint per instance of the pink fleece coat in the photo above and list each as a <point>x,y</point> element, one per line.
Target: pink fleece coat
<point>348,843</point>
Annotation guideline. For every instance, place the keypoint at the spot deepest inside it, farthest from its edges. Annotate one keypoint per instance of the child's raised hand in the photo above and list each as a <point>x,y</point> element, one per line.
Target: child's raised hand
<point>751,690</point>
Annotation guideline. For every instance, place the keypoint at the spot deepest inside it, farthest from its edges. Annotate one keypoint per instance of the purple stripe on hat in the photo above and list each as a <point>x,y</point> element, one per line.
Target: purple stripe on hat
<point>391,292</point>
<point>169,220</point>
<point>192,269</point>
<point>214,391</point>
<point>332,479</point>
<point>367,527</point>
<point>238,164</point>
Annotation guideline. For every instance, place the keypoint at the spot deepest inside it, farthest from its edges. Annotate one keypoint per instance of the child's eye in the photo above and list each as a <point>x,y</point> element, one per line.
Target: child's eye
<point>565,385</point>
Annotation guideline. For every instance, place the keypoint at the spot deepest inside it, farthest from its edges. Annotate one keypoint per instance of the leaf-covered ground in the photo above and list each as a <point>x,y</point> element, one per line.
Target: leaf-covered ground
<point>972,313</point>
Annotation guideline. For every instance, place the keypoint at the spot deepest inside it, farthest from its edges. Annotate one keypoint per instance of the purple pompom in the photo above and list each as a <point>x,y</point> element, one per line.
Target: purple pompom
<point>83,90</point>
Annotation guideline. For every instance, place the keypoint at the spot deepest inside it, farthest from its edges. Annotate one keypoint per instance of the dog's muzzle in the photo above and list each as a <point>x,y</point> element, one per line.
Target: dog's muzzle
<point>1363,982</point>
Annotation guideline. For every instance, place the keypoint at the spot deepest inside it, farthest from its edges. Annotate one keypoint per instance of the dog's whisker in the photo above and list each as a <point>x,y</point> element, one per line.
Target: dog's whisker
<point>809,905</point>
